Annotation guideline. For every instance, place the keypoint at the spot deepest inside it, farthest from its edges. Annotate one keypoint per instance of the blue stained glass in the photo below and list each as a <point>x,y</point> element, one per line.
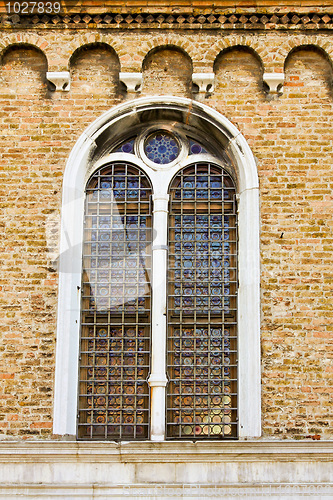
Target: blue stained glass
<point>161,148</point>
<point>196,148</point>
<point>125,147</point>
<point>133,182</point>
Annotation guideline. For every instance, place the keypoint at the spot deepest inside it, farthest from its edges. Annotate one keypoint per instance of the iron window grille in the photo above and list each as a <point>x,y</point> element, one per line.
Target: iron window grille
<point>116,297</point>
<point>116,341</point>
<point>202,287</point>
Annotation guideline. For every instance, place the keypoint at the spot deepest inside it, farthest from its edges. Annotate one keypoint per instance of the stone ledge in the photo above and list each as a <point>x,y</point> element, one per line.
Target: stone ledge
<point>182,451</point>
<point>86,471</point>
<point>171,492</point>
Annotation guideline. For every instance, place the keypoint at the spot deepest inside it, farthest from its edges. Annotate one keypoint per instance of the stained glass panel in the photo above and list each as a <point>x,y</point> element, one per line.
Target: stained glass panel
<point>161,147</point>
<point>125,147</point>
<point>115,330</point>
<point>196,148</point>
<point>202,277</point>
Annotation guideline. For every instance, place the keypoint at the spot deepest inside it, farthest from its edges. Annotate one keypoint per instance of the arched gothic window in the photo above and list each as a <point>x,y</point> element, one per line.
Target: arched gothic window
<point>201,278</point>
<point>151,187</point>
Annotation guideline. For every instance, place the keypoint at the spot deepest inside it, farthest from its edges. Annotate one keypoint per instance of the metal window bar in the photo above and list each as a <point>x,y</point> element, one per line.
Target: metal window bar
<point>202,288</point>
<point>113,401</point>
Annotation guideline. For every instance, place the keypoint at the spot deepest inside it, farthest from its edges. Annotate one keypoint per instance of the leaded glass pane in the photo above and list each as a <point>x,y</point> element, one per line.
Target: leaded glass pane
<point>196,148</point>
<point>202,277</point>
<point>125,147</point>
<point>116,297</point>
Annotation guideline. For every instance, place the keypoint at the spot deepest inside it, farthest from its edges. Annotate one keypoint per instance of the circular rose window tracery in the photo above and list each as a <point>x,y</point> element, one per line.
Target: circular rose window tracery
<point>161,148</point>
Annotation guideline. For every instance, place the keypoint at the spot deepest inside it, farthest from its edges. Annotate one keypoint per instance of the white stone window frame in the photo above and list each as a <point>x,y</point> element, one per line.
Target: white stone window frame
<point>78,170</point>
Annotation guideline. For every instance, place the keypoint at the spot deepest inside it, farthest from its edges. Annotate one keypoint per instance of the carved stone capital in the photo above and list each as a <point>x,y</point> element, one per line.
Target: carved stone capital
<point>274,81</point>
<point>61,79</point>
<point>132,81</point>
<point>205,81</point>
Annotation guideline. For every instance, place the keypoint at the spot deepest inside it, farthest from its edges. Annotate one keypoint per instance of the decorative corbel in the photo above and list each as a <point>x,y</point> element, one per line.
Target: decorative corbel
<point>132,81</point>
<point>205,81</point>
<point>61,80</point>
<point>275,82</point>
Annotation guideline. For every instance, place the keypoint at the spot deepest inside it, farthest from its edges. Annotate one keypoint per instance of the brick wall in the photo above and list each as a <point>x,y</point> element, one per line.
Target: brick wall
<point>291,137</point>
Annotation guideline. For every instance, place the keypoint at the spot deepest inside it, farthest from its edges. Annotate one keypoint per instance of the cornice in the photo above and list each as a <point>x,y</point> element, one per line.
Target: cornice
<point>214,20</point>
<point>172,5</point>
<point>166,452</point>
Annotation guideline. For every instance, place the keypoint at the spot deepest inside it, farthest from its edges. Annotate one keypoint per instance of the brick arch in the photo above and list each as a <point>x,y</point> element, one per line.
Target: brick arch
<point>108,41</point>
<point>86,39</point>
<point>258,48</point>
<point>247,48</point>
<point>21,43</point>
<point>168,42</point>
<point>321,48</point>
<point>167,69</point>
<point>92,45</point>
<point>156,49</point>
<point>23,70</point>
